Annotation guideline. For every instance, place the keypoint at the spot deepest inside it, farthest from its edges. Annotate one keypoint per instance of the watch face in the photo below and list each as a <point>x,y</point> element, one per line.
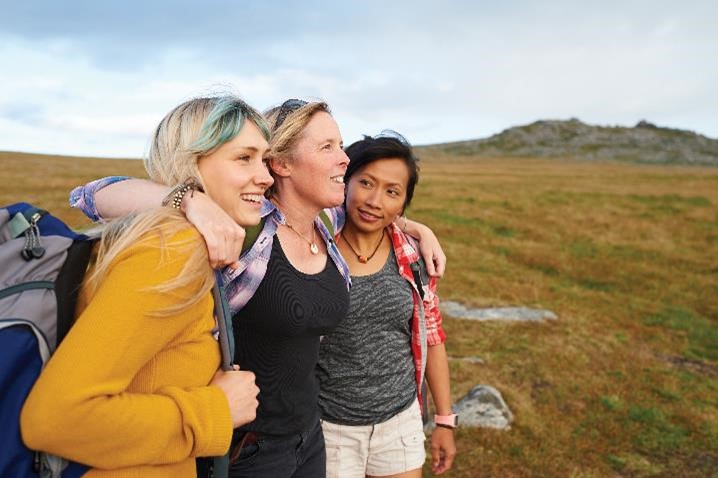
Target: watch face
<point>456,420</point>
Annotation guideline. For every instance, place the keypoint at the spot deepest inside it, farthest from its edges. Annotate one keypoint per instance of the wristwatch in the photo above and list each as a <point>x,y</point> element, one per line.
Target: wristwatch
<point>447,421</point>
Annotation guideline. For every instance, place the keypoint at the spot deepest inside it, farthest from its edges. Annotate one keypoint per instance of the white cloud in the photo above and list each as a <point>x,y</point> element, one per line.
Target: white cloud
<point>435,73</point>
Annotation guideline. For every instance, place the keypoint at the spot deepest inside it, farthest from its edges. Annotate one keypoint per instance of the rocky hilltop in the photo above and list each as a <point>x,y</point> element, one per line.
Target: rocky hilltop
<point>644,143</point>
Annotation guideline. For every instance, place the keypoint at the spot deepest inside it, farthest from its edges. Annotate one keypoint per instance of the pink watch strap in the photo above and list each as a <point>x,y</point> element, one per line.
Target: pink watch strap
<point>446,420</point>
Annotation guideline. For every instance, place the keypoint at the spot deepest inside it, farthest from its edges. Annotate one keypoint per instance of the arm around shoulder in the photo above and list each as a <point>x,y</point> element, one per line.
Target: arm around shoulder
<point>116,196</point>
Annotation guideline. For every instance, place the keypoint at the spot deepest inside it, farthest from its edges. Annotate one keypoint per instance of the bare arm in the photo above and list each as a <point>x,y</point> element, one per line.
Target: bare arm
<point>223,236</point>
<point>133,195</point>
<point>443,448</point>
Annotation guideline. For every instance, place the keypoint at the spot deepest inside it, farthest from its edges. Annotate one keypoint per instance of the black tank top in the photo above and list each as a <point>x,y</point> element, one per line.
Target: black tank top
<point>277,337</point>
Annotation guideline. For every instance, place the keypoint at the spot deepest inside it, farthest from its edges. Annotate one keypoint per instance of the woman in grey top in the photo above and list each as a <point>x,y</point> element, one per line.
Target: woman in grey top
<point>371,367</point>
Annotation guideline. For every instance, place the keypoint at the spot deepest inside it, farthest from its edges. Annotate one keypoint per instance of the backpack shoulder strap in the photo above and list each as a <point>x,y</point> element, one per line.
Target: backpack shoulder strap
<point>251,233</point>
<point>219,465</point>
<point>68,283</point>
<point>416,268</point>
<point>327,222</point>
<point>224,322</point>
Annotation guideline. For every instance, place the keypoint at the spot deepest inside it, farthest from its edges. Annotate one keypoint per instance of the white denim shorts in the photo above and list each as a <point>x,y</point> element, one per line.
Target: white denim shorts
<point>394,446</point>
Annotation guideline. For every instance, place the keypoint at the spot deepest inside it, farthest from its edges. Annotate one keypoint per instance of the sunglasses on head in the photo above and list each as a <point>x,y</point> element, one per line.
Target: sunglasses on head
<point>288,107</point>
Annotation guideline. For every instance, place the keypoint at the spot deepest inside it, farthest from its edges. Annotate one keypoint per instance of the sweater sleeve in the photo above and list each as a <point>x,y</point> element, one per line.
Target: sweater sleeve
<point>80,407</point>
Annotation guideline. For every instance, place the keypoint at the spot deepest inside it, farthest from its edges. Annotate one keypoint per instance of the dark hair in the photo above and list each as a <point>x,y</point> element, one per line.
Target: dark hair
<point>386,145</point>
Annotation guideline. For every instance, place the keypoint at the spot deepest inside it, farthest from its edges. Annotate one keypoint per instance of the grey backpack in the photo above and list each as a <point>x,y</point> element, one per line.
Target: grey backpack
<point>42,266</point>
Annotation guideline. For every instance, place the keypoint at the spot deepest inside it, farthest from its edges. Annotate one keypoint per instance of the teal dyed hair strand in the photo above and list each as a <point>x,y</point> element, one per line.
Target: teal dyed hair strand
<point>224,123</point>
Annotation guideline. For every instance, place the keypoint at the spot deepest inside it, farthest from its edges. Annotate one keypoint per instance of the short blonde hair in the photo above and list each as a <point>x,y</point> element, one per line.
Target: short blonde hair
<point>287,126</point>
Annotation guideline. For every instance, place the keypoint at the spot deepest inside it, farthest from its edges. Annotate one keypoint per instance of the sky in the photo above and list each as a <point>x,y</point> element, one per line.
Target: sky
<point>93,78</point>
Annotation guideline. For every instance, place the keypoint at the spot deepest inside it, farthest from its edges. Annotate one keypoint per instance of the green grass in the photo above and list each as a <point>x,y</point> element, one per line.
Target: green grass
<point>625,382</point>
<point>700,335</point>
<point>670,201</point>
<point>612,403</point>
<point>626,255</point>
<point>657,433</point>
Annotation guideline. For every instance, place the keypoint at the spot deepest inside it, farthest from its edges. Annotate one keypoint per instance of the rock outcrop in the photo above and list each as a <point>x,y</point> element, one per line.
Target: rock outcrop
<point>644,143</point>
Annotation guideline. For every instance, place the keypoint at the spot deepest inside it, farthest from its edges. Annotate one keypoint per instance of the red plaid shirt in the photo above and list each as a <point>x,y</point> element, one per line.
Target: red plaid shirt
<point>405,249</point>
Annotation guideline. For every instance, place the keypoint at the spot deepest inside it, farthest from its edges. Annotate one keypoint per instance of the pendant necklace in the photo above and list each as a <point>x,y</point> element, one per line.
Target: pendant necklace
<point>360,257</point>
<point>313,248</point>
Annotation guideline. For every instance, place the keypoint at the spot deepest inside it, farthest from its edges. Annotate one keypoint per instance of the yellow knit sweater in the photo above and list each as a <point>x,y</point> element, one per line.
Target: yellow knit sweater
<point>126,392</point>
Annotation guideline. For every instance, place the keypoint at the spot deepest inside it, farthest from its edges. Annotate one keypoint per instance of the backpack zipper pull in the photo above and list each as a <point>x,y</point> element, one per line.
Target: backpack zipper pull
<point>33,247</point>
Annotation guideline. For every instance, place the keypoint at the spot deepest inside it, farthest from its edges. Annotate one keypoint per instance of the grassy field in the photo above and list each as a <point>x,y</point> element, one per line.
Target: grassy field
<point>46,181</point>
<point>625,383</point>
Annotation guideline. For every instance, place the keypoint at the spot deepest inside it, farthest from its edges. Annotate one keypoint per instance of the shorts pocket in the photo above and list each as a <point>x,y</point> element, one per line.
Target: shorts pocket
<point>413,439</point>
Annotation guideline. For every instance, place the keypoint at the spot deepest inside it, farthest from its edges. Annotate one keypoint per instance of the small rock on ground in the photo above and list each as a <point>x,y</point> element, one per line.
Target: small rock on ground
<point>508,314</point>
<point>484,407</point>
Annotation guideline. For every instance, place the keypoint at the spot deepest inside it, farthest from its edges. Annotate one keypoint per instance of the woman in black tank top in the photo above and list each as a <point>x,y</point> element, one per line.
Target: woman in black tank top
<point>302,295</point>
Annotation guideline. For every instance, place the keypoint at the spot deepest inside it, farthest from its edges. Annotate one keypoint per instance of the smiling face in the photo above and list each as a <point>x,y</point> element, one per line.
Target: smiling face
<point>235,175</point>
<point>376,194</point>
<point>319,162</point>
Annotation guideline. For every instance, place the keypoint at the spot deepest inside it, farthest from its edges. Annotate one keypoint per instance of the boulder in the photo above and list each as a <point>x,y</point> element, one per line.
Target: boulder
<point>509,314</point>
<point>484,407</point>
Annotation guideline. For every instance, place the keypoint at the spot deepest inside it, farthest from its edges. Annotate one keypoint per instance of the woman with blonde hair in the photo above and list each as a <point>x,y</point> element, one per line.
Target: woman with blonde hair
<point>134,389</point>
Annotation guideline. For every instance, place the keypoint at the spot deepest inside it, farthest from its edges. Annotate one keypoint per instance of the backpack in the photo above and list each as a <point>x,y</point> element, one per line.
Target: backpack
<point>43,265</point>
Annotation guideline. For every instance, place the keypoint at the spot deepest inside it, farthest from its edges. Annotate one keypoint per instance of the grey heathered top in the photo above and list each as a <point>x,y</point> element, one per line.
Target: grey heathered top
<point>365,369</point>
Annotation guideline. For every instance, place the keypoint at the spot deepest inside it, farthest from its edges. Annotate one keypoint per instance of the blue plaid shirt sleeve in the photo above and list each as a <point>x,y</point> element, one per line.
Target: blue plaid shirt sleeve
<point>83,197</point>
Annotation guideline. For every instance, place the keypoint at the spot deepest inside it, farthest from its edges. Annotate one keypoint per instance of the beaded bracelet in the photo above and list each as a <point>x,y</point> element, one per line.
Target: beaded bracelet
<point>175,197</point>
